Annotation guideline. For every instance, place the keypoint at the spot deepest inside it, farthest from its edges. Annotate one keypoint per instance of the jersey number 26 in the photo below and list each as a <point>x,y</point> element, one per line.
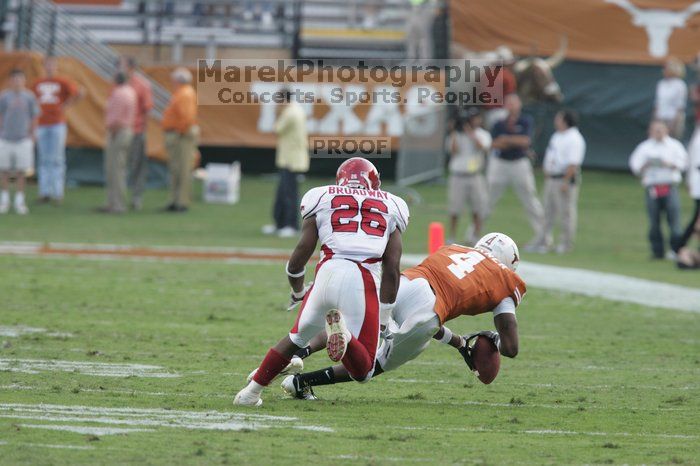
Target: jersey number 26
<point>346,208</point>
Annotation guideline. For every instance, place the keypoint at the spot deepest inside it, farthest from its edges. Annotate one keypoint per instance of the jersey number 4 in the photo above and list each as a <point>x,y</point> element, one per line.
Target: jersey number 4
<point>346,208</point>
<point>464,263</point>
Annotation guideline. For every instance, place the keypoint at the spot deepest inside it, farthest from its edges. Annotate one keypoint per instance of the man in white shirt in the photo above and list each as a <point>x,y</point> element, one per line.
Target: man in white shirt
<point>671,97</point>
<point>562,170</point>
<point>466,186</point>
<point>659,161</point>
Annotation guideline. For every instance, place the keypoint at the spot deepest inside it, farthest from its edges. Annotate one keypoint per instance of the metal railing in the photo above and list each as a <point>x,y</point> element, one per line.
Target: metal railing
<point>42,26</point>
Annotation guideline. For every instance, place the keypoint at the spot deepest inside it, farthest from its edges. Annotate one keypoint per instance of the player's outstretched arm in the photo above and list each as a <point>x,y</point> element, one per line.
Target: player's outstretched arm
<point>507,326</point>
<point>391,273</point>
<point>296,267</point>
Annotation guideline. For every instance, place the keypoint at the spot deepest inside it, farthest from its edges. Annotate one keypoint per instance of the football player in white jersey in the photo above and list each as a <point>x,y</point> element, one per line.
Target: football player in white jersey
<point>359,227</point>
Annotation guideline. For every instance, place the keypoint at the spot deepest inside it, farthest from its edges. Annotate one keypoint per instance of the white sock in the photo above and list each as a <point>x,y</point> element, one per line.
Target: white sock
<point>255,387</point>
<point>19,197</point>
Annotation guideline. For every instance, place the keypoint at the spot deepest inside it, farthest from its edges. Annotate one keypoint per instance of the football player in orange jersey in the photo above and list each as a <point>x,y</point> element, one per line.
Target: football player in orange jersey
<point>454,281</point>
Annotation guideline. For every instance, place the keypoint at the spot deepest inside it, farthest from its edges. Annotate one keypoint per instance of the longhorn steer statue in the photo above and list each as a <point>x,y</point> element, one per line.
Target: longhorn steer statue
<point>536,82</point>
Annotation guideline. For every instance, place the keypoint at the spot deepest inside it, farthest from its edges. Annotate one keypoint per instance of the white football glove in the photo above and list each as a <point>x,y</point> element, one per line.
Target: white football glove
<point>296,298</point>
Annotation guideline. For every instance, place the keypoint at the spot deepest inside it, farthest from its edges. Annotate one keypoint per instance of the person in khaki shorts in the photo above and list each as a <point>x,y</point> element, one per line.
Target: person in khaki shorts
<point>510,165</point>
<point>468,145</point>
<point>119,120</point>
<point>181,132</point>
<point>18,120</point>
<point>562,167</point>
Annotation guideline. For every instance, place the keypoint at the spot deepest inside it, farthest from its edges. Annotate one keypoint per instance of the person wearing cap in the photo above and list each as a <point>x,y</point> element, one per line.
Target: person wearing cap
<point>562,171</point>
<point>467,145</point>
<point>181,133</point>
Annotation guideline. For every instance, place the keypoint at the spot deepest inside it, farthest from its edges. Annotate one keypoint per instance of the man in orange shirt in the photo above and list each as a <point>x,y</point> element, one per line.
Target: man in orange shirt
<point>454,281</point>
<point>138,162</point>
<point>181,132</point>
<point>54,94</point>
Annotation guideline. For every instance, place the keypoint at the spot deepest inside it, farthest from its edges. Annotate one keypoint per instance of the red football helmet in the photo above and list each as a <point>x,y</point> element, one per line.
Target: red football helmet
<point>358,172</point>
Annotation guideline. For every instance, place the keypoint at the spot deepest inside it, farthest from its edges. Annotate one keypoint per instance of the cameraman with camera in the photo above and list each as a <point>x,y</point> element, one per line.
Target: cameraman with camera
<point>468,145</point>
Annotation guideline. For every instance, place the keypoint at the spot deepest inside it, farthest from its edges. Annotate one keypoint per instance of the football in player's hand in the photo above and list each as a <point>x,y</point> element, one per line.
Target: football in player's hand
<point>486,359</point>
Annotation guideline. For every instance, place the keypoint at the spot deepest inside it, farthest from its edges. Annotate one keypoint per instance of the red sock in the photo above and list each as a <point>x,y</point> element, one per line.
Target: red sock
<point>357,360</point>
<point>272,365</point>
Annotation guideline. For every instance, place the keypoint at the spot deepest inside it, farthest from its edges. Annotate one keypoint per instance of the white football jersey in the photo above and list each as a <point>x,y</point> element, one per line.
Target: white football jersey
<point>354,223</point>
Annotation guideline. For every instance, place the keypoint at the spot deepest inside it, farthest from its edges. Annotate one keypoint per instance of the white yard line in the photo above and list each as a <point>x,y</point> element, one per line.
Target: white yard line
<point>550,385</point>
<point>546,432</point>
<point>67,416</point>
<point>570,280</point>
<point>103,369</point>
<point>86,430</point>
<point>15,331</point>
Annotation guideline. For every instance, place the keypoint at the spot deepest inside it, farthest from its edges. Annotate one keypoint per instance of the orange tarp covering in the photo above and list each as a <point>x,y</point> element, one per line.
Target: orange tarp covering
<point>597,30</point>
<point>85,117</point>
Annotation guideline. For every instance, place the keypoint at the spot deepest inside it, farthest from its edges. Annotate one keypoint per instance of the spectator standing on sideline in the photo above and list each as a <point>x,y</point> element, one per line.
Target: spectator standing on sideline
<point>468,145</point>
<point>55,94</point>
<point>497,112</point>
<point>181,133</point>
<point>510,166</point>
<point>18,120</point>
<point>659,161</point>
<point>694,188</point>
<point>419,29</point>
<point>138,162</point>
<point>292,159</point>
<point>562,170</point>
<point>119,121</point>
<point>671,97</point>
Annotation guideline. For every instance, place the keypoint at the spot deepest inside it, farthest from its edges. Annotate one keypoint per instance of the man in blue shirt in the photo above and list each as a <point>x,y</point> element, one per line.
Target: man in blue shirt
<point>510,165</point>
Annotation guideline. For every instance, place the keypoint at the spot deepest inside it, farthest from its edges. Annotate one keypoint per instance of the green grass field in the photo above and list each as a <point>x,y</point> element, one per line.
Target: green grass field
<point>594,382</point>
<point>156,351</point>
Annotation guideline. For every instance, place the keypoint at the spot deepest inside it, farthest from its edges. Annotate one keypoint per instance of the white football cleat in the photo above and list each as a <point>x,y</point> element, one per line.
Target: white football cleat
<point>296,365</point>
<point>338,335</point>
<point>21,208</point>
<point>247,397</point>
<point>269,229</point>
<point>287,232</point>
<point>290,386</point>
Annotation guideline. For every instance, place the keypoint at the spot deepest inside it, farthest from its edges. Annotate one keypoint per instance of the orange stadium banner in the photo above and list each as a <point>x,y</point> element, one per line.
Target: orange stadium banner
<point>609,31</point>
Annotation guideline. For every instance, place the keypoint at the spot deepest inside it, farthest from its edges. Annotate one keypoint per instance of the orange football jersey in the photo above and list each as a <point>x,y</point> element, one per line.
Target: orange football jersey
<point>467,281</point>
